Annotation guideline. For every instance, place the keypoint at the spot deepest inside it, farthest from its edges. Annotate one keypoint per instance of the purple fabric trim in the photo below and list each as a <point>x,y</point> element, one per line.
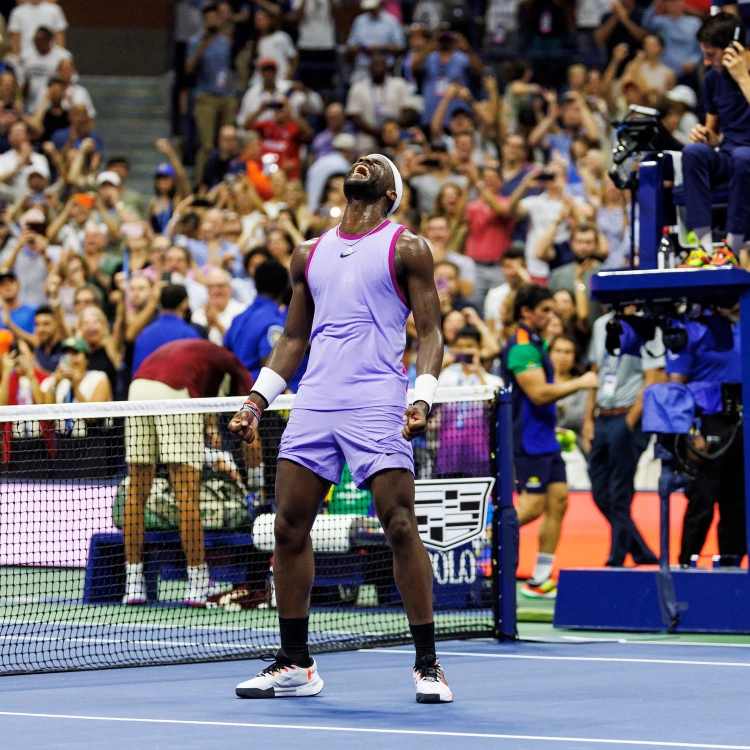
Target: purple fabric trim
<point>392,265</point>
<point>312,252</point>
<point>359,236</point>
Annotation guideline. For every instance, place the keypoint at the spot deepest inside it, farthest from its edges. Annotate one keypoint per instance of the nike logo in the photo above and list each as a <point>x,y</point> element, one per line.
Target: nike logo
<point>389,454</point>
<point>347,253</point>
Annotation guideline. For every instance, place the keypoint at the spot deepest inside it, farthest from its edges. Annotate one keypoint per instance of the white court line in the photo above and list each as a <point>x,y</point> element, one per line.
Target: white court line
<point>531,657</point>
<point>646,642</point>
<point>126,642</point>
<point>367,730</point>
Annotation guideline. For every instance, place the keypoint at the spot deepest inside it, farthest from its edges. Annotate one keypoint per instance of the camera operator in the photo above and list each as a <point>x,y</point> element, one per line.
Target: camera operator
<point>612,432</point>
<point>726,91</point>
<point>720,480</point>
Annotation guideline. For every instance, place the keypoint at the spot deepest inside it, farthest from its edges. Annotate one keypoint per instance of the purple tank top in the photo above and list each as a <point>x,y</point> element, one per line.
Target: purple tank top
<point>359,327</point>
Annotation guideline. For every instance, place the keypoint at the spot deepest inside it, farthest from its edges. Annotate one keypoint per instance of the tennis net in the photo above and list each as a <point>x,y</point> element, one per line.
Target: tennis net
<point>73,504</point>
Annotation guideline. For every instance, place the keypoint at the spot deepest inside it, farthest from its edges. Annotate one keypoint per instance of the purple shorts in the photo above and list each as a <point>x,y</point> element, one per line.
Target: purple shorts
<point>369,440</point>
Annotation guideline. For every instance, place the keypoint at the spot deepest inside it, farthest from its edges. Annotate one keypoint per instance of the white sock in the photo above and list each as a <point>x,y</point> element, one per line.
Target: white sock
<point>198,574</point>
<point>705,237</point>
<point>735,242</point>
<point>133,571</point>
<point>543,568</point>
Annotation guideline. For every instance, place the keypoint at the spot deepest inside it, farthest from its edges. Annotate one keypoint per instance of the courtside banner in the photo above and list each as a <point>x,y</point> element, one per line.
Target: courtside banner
<point>452,512</point>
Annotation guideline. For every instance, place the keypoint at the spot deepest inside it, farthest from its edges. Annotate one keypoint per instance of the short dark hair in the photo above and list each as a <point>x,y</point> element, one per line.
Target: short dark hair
<point>469,332</point>
<point>271,279</point>
<point>579,228</point>
<point>259,250</point>
<point>172,296</point>
<point>192,220</point>
<point>531,296</point>
<point>211,8</point>
<point>44,310</point>
<point>46,30</point>
<point>515,252</point>
<point>115,160</point>
<point>719,30</point>
<point>448,263</point>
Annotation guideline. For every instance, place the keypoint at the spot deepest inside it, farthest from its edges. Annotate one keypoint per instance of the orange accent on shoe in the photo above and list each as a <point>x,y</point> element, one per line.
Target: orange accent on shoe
<point>309,674</point>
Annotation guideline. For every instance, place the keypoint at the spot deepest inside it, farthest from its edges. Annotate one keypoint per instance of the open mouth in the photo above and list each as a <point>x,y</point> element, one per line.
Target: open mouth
<point>361,170</point>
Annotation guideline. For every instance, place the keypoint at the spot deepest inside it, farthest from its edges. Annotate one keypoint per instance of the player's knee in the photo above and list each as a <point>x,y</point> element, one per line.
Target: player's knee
<point>288,534</point>
<point>399,527</point>
<point>695,152</point>
<point>530,507</point>
<point>558,505</point>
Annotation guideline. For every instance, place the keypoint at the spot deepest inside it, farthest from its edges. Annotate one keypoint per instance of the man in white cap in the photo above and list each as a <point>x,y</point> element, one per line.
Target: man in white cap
<point>359,282</point>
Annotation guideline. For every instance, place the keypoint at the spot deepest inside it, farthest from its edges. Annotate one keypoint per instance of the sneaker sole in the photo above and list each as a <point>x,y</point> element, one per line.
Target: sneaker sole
<point>194,603</point>
<point>432,698</point>
<point>303,691</point>
<point>132,602</point>
<point>534,595</point>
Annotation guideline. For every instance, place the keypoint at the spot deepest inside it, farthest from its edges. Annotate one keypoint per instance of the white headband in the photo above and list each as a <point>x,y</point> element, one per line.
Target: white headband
<point>397,181</point>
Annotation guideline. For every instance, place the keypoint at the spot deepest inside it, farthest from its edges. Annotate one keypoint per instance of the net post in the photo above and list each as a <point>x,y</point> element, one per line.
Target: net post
<point>504,522</point>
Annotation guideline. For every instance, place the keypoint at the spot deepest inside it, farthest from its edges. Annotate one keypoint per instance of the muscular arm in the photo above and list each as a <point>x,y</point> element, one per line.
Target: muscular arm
<point>288,352</point>
<point>415,271</point>
<point>540,392</point>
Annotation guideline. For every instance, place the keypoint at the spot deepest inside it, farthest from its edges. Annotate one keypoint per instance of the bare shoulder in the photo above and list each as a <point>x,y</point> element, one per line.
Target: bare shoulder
<point>412,253</point>
<point>300,256</point>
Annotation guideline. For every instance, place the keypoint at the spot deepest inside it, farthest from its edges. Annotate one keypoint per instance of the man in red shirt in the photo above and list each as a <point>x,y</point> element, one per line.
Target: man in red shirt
<point>187,368</point>
<point>491,222</point>
<point>283,136</point>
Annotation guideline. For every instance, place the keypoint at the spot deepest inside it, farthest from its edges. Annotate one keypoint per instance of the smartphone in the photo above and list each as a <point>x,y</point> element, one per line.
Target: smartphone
<point>465,359</point>
<point>431,163</point>
<point>66,360</point>
<point>442,284</point>
<point>37,228</point>
<point>546,176</point>
<point>202,203</point>
<point>167,276</point>
<point>275,105</point>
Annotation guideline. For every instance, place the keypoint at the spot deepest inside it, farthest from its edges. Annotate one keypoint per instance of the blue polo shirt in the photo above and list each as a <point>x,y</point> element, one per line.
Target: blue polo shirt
<point>23,317</point>
<point>254,332</point>
<point>167,327</point>
<point>214,72</point>
<point>700,361</point>
<point>724,98</point>
<point>61,137</point>
<point>533,426</point>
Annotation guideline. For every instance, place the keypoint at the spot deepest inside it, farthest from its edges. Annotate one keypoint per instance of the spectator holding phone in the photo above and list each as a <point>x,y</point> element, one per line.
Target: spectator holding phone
<point>283,137</point>
<point>460,427</point>
<point>726,91</point>
<point>29,257</point>
<point>209,57</point>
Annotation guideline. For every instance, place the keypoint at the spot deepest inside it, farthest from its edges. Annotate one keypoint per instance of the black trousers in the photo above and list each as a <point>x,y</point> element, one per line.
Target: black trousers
<point>613,461</point>
<point>723,482</point>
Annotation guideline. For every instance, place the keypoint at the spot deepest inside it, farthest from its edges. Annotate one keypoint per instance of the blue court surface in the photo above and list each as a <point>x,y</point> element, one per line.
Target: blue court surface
<point>526,695</point>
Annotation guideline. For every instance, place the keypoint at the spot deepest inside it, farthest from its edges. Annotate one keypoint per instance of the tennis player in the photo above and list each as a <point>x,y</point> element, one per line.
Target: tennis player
<point>353,289</point>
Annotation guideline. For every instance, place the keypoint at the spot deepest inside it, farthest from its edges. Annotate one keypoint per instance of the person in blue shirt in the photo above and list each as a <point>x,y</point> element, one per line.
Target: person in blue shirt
<point>722,480</point>
<point>21,316</point>
<point>169,326</point>
<point>446,59</point>
<point>209,58</point>
<point>373,30</point>
<point>254,332</point>
<point>726,93</point>
<point>540,471</point>
<point>677,29</point>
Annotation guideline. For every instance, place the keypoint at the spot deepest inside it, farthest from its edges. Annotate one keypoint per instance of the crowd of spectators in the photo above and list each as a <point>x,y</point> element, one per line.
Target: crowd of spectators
<point>501,132</point>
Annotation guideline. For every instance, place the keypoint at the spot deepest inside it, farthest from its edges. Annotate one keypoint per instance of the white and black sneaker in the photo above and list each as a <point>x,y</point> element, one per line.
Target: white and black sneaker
<point>429,679</point>
<point>282,680</point>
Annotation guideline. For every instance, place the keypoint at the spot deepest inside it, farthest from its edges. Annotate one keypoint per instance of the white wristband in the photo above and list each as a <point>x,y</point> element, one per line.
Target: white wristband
<point>425,387</point>
<point>269,384</point>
